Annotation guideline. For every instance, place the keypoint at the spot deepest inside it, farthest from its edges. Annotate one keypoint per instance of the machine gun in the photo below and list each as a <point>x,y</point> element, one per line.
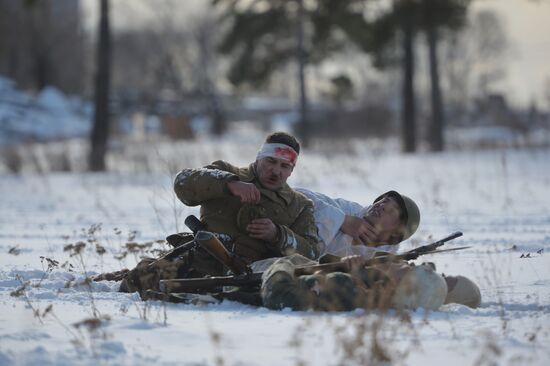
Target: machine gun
<point>248,278</point>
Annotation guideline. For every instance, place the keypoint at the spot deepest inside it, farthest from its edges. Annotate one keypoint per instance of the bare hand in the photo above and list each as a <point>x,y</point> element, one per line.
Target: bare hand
<point>353,262</point>
<point>263,229</point>
<point>247,192</point>
<point>362,232</point>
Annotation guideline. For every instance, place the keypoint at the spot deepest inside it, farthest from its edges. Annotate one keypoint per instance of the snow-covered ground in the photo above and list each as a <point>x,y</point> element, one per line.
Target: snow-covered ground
<point>49,115</point>
<point>499,199</point>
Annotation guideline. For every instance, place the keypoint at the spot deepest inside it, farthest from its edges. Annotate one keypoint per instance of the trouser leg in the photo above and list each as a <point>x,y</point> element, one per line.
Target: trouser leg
<point>328,292</point>
<point>280,289</point>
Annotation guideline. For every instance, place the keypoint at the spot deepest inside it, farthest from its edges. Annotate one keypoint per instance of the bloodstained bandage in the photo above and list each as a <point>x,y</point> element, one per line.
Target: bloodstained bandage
<point>278,151</point>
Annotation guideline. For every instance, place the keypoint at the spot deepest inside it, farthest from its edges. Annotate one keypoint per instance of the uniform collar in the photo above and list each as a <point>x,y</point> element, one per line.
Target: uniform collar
<point>286,193</point>
<point>248,174</point>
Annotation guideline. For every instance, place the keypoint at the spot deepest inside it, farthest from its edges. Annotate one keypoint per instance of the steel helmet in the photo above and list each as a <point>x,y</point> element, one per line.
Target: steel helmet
<point>410,214</point>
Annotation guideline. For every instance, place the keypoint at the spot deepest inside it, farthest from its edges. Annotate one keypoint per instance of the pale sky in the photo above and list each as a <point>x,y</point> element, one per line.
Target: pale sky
<point>527,22</point>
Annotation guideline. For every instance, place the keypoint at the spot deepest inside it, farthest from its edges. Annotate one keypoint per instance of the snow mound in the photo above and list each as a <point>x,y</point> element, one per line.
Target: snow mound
<point>47,116</point>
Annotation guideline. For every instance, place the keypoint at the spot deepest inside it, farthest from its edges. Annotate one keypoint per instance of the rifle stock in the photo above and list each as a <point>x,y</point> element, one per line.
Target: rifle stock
<point>214,247</point>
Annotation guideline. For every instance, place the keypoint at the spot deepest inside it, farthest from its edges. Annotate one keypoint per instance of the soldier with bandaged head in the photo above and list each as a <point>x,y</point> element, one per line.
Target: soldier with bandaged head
<point>252,210</point>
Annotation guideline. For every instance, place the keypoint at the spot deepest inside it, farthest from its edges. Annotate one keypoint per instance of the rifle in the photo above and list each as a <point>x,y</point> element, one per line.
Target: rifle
<point>215,248</point>
<point>255,279</point>
<point>210,243</point>
<point>425,249</point>
<point>195,225</point>
<point>381,257</point>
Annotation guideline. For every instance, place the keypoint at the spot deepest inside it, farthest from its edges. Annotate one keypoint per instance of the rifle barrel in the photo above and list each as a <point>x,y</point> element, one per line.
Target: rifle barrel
<point>205,283</point>
<point>179,250</point>
<point>432,246</point>
<point>454,235</point>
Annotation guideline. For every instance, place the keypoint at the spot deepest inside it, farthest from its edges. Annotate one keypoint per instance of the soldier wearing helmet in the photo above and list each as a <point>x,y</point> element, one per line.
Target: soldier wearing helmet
<point>347,228</point>
<point>354,232</point>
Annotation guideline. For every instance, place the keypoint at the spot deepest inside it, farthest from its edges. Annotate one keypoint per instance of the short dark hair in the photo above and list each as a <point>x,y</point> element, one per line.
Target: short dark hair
<point>284,138</point>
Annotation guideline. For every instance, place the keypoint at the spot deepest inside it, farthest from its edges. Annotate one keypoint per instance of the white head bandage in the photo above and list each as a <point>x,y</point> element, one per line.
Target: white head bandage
<point>278,151</point>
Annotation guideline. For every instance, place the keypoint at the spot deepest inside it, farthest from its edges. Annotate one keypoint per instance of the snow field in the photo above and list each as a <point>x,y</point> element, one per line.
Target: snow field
<point>498,198</point>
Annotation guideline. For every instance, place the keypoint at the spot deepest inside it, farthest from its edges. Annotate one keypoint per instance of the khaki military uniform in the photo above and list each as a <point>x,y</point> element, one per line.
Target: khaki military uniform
<point>224,213</point>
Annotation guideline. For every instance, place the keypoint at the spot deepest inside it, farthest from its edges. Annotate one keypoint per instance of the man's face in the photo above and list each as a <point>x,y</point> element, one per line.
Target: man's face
<point>273,172</point>
<point>385,216</point>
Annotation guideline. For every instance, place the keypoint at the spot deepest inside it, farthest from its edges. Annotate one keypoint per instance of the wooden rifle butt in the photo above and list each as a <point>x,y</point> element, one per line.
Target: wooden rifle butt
<point>214,247</point>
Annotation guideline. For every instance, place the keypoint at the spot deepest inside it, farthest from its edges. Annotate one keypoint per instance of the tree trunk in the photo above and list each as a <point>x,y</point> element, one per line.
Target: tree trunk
<point>41,54</point>
<point>408,108</point>
<point>436,138</point>
<point>216,111</point>
<point>42,70</point>
<point>304,123</point>
<point>100,131</point>
<point>208,86</point>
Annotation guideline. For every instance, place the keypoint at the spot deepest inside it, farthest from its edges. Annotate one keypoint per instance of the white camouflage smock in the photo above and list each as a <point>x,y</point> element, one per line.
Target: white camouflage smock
<point>329,216</point>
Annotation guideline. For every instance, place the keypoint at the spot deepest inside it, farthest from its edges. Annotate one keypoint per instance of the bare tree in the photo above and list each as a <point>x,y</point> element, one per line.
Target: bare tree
<point>438,118</point>
<point>208,71</point>
<point>100,131</point>
<point>473,60</point>
<point>409,110</point>
<point>301,57</point>
<point>456,73</point>
<point>437,16</point>
<point>172,56</point>
<point>491,46</point>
